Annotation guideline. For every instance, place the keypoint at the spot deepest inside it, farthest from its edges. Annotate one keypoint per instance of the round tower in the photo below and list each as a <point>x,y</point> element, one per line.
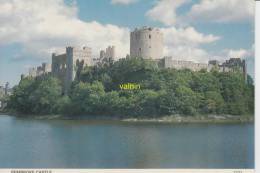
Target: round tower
<point>147,43</point>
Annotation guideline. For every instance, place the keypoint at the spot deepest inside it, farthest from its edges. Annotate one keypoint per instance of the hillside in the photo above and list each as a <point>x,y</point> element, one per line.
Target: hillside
<point>97,92</point>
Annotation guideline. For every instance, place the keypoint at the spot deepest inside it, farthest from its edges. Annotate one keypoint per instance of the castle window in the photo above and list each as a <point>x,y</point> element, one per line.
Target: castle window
<point>150,36</point>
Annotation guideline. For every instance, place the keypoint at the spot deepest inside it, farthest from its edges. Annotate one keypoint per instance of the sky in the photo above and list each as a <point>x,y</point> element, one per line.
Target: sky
<point>197,30</point>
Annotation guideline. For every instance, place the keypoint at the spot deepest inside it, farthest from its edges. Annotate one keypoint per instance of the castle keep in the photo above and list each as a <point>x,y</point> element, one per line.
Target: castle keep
<point>146,43</point>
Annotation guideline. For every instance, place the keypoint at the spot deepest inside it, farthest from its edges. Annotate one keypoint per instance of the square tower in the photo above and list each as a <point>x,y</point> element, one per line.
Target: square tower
<point>67,66</point>
<point>76,60</point>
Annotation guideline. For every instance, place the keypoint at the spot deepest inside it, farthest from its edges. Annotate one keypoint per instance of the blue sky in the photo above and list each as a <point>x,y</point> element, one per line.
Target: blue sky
<point>31,30</point>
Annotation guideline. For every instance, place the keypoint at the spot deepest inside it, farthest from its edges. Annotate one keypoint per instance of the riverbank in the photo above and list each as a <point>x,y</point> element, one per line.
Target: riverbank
<point>163,119</point>
<point>196,119</point>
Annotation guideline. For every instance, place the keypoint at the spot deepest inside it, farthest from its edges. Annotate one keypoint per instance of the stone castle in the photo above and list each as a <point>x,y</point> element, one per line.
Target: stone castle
<point>145,42</point>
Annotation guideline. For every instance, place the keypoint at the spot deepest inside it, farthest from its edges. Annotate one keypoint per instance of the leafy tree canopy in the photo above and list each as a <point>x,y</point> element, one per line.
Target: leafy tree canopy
<point>163,91</point>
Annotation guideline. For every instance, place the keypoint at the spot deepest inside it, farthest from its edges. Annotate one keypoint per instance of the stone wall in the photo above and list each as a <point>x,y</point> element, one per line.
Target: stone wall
<point>169,62</point>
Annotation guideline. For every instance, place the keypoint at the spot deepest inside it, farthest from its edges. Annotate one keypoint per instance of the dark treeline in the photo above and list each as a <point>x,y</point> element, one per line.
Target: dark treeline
<point>163,92</point>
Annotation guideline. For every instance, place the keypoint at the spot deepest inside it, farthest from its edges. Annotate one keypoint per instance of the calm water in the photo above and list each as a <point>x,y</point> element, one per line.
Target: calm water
<point>83,144</point>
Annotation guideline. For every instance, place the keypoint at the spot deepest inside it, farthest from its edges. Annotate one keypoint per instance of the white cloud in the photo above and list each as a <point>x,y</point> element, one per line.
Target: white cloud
<point>43,26</point>
<point>225,54</point>
<point>240,53</point>
<point>123,2</point>
<point>222,11</point>
<point>184,43</point>
<point>187,36</point>
<point>42,31</point>
<point>165,11</point>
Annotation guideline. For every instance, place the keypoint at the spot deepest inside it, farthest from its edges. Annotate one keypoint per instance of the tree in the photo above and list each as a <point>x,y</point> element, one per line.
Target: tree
<point>36,96</point>
<point>188,101</point>
<point>86,97</point>
<point>45,96</point>
<point>167,102</point>
<point>213,102</point>
<point>233,89</point>
<point>19,100</point>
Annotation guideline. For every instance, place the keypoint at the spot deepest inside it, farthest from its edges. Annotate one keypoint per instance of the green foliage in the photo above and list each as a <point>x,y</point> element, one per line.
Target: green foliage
<point>20,100</point>
<point>188,101</point>
<point>213,102</point>
<point>233,90</point>
<point>86,97</point>
<point>163,91</point>
<point>37,96</point>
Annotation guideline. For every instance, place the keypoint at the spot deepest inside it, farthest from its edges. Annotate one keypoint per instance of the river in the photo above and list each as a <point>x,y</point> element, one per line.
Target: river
<point>31,143</point>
